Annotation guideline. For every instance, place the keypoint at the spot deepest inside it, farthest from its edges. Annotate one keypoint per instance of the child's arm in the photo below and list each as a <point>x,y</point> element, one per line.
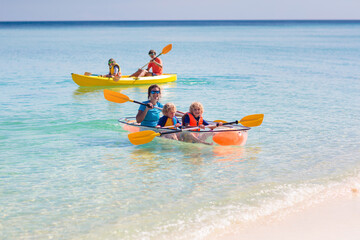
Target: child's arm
<point>205,123</point>
<point>177,122</point>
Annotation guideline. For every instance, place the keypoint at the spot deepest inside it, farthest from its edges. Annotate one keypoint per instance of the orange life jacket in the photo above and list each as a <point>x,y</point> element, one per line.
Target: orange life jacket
<point>193,121</point>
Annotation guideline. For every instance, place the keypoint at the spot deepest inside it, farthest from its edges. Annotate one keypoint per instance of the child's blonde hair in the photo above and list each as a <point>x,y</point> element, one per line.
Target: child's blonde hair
<point>167,107</point>
<point>196,105</point>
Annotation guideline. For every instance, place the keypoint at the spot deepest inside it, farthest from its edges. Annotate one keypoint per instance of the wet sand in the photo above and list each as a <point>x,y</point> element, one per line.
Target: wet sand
<point>331,220</point>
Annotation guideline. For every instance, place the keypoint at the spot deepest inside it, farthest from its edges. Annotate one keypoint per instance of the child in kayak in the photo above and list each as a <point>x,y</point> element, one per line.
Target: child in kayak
<point>169,119</point>
<point>114,70</point>
<point>194,118</point>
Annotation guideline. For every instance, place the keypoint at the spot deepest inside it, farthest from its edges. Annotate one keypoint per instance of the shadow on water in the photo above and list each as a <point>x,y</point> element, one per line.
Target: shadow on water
<point>228,156</point>
<point>138,88</point>
<point>156,156</point>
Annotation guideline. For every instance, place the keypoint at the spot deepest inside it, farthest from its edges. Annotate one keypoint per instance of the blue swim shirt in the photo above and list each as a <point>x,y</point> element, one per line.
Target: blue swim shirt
<point>153,115</point>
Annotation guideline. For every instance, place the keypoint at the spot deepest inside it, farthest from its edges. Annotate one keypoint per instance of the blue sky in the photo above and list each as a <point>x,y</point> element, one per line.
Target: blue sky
<point>42,10</point>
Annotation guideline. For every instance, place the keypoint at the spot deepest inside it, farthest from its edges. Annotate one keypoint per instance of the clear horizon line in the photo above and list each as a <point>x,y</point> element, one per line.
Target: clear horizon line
<point>180,20</point>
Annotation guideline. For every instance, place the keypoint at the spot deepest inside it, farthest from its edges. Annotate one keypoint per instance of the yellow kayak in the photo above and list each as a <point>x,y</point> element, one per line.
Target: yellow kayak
<point>92,81</point>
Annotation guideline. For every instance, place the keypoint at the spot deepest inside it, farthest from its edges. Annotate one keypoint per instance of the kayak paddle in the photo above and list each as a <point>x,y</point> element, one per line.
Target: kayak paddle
<point>117,97</point>
<point>164,51</point>
<point>146,136</point>
<point>143,137</point>
<point>247,121</point>
<point>138,138</point>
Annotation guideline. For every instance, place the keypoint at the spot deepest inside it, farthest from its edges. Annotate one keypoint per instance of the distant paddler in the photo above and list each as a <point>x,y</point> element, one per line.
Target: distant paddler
<point>155,64</point>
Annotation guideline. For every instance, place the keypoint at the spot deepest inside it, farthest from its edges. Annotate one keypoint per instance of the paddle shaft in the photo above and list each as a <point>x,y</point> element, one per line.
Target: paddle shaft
<point>151,60</point>
<point>179,130</point>
<point>184,129</point>
<point>148,105</point>
<point>229,123</point>
<point>169,132</point>
<point>165,50</point>
<point>153,106</point>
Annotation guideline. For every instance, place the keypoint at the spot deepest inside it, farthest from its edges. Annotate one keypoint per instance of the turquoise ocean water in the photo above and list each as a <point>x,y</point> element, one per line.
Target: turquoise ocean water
<point>68,171</point>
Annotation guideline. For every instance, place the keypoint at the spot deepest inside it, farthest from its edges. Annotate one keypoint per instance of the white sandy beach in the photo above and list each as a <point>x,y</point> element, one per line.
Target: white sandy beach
<point>335,219</point>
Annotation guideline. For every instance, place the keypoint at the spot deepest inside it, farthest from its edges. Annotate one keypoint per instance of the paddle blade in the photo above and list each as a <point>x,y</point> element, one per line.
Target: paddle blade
<point>138,138</point>
<point>166,49</point>
<point>252,120</point>
<point>115,97</point>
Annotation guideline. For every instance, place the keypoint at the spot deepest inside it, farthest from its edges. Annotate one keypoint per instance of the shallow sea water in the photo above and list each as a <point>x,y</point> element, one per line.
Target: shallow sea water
<point>68,171</point>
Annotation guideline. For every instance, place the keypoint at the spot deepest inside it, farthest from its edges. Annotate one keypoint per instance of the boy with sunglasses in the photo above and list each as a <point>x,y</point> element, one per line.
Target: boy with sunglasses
<point>155,64</point>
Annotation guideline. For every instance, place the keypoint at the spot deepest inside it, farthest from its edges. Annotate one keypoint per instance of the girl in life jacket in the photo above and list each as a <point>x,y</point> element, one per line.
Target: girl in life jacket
<point>194,118</point>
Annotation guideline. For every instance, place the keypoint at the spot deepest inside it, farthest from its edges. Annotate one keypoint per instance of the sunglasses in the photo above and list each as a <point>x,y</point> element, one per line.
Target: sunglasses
<point>153,92</point>
<point>152,54</point>
<point>110,63</point>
